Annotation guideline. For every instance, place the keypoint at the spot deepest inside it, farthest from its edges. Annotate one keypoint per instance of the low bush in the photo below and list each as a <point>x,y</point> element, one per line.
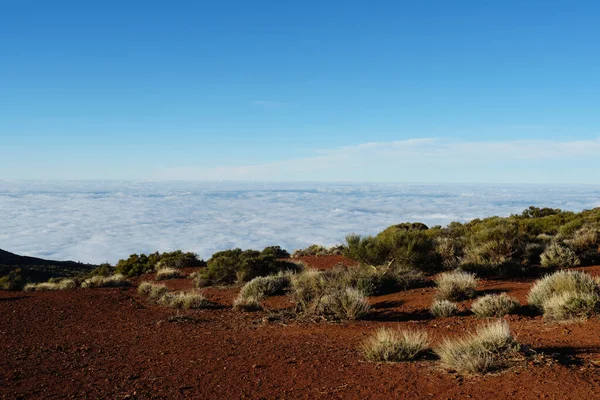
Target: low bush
<point>167,273</point>
<point>455,285</point>
<point>487,350</point>
<point>571,305</point>
<point>390,345</point>
<point>229,266</point>
<point>12,281</point>
<point>116,280</point>
<point>306,287</point>
<point>560,282</point>
<point>588,237</point>
<point>405,245</point>
<point>557,255</point>
<point>102,270</point>
<point>141,264</point>
<point>495,305</point>
<point>263,286</point>
<point>443,308</point>
<point>316,250</point>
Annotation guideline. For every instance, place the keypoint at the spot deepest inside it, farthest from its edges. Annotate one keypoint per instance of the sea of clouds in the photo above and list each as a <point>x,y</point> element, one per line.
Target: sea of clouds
<point>103,221</point>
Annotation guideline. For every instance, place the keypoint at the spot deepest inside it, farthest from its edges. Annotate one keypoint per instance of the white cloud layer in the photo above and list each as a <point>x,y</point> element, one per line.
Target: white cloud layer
<point>424,160</point>
<point>104,221</point>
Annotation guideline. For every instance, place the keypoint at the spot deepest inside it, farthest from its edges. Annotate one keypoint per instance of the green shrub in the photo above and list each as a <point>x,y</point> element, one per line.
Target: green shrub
<point>412,248</point>
<point>558,283</point>
<point>12,281</point>
<point>487,350</point>
<point>390,345</point>
<point>556,255</point>
<point>229,266</point>
<point>102,270</point>
<point>495,305</point>
<point>586,238</point>
<point>264,286</point>
<point>141,264</point>
<point>455,285</point>
<point>449,251</point>
<point>443,308</point>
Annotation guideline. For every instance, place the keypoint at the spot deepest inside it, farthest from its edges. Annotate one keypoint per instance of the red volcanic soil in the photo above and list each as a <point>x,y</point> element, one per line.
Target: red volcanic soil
<point>111,343</point>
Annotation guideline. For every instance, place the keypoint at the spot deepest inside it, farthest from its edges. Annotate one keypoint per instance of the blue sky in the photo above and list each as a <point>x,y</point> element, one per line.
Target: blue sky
<point>432,91</point>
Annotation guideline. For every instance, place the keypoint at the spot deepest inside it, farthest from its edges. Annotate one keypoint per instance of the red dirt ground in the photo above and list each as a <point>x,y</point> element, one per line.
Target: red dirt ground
<point>110,343</point>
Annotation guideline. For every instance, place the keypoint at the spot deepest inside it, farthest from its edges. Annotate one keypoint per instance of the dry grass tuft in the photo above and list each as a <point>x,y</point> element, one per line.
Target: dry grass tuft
<point>487,350</point>
<point>495,305</point>
<point>443,308</point>
<point>395,345</point>
<point>571,306</point>
<point>167,273</point>
<point>152,290</point>
<point>344,304</point>
<point>63,284</point>
<point>184,300</point>
<point>249,303</point>
<point>97,281</point>
<point>560,282</point>
<point>456,285</point>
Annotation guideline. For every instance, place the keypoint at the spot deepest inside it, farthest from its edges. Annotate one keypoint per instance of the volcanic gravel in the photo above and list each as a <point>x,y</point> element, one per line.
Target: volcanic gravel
<point>111,343</point>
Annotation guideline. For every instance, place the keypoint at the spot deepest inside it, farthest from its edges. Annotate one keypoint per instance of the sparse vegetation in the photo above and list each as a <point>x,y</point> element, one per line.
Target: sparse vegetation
<point>160,294</point>
<point>62,284</point>
<point>318,251</point>
<point>487,350</point>
<point>494,305</point>
<point>98,281</point>
<point>455,285</point>
<point>390,345</point>
<point>443,308</point>
<point>490,247</point>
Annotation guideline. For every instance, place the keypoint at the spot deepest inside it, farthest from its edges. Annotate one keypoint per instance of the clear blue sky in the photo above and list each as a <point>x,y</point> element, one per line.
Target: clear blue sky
<point>296,89</point>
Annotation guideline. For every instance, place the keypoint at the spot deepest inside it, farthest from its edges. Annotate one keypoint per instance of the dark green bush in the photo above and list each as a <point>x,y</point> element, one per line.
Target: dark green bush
<point>141,264</point>
<point>229,266</point>
<point>12,281</point>
<point>405,247</point>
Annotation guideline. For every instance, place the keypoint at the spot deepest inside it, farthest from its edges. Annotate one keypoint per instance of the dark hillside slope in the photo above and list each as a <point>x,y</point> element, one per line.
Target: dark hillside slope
<point>39,269</point>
